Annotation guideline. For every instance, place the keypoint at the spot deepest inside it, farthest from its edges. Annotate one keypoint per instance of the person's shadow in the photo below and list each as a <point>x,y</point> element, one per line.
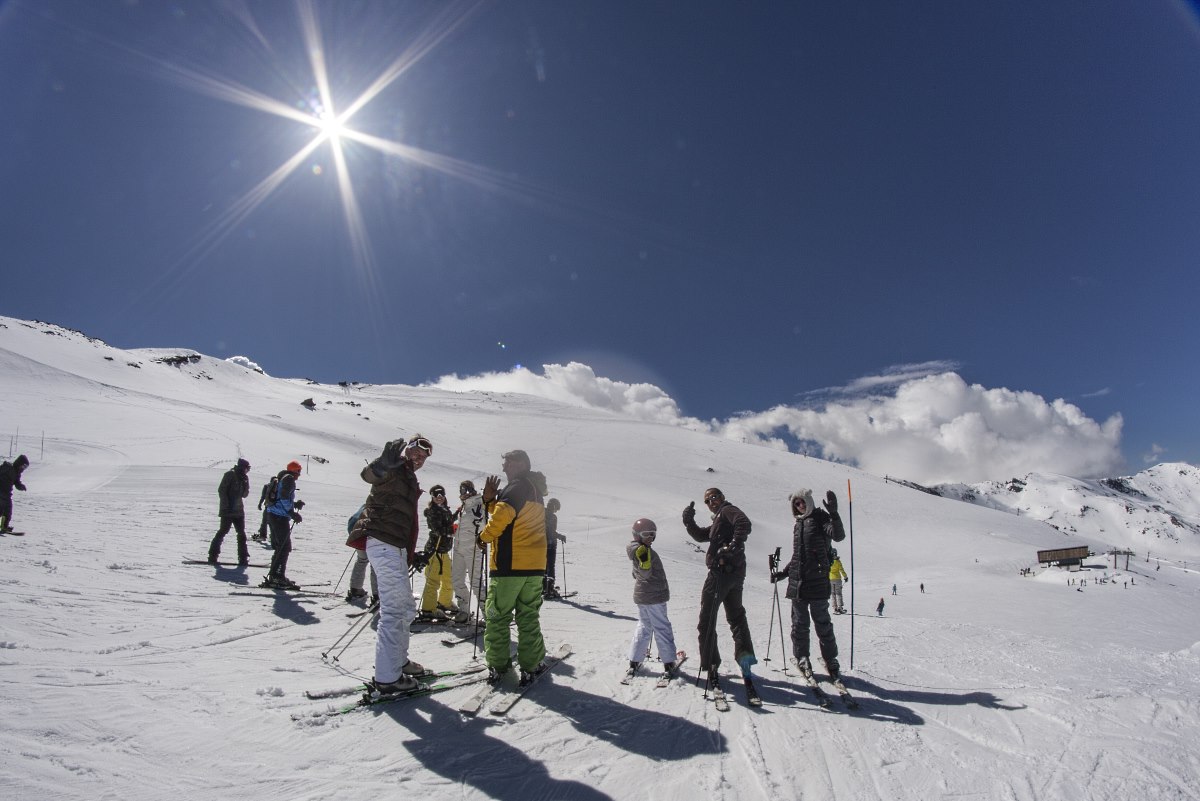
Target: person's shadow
<point>462,752</point>
<point>595,610</point>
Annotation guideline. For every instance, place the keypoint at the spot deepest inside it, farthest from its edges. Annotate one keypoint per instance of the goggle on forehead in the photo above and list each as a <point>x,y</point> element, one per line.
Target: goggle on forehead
<point>423,444</point>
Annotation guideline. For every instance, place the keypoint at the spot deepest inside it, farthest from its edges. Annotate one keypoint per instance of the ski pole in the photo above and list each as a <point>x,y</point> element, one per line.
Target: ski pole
<point>345,634</point>
<point>353,556</point>
<point>772,565</point>
<point>564,550</point>
<point>479,601</point>
<point>850,517</point>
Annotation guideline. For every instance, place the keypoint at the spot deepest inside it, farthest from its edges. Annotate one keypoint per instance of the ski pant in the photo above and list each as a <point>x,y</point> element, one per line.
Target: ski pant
<point>522,596</point>
<point>237,522</point>
<point>264,525</point>
<point>465,570</point>
<point>723,589</point>
<point>395,609</point>
<point>551,557</point>
<point>358,573</point>
<point>836,590</point>
<point>438,589</point>
<point>281,538</point>
<point>6,511</point>
<point>652,620</point>
<point>802,608</point>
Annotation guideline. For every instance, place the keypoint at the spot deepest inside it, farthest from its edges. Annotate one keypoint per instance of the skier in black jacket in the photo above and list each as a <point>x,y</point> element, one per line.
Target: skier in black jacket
<point>726,562</point>
<point>10,477</point>
<point>807,576</point>
<point>235,486</point>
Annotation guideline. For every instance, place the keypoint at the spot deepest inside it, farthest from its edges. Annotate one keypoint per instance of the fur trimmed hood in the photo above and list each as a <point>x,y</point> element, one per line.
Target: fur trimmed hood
<point>805,495</point>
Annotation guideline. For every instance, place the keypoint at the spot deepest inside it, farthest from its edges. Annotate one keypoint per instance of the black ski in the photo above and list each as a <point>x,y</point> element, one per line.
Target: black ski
<point>424,688</point>
<point>221,564</point>
<point>12,533</point>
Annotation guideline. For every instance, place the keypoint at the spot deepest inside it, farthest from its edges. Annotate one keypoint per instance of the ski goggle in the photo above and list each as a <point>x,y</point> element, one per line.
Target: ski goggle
<point>646,536</point>
<point>423,444</point>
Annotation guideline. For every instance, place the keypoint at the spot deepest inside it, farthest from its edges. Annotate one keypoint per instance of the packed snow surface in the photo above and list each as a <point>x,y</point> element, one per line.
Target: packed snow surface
<point>126,674</point>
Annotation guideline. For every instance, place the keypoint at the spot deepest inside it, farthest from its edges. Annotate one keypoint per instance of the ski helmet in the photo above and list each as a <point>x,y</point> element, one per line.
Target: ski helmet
<point>644,530</point>
<point>294,467</point>
<point>833,553</point>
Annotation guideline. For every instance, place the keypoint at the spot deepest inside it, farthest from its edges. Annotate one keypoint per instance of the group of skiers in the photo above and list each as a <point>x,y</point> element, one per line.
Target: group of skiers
<point>515,530</point>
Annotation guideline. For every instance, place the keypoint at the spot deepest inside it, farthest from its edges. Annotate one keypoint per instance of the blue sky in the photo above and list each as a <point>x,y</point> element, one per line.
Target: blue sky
<point>778,214</point>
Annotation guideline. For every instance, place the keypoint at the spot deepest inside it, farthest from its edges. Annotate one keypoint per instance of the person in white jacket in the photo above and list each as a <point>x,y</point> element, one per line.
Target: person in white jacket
<point>466,566</point>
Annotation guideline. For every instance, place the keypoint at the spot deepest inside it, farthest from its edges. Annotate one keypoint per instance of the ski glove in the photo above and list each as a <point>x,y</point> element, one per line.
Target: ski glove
<point>491,487</point>
<point>830,502</point>
<point>420,560</point>
<point>779,575</point>
<point>298,504</point>
<point>689,513</point>
<point>296,517</point>
<point>643,555</point>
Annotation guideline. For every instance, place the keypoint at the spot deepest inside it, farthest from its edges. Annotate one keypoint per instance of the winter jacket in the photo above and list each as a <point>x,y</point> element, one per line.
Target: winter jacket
<point>264,497</point>
<point>285,496</point>
<point>10,476</point>
<point>726,538</point>
<point>235,485</point>
<point>808,570</point>
<point>517,528</point>
<point>649,586</point>
<point>440,520</point>
<point>390,513</point>
<point>470,519</point>
<point>837,572</point>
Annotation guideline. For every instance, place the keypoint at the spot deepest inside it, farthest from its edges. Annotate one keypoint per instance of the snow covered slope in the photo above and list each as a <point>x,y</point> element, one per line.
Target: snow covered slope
<point>126,674</point>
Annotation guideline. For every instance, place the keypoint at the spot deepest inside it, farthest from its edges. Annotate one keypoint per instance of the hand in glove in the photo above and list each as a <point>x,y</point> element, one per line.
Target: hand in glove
<point>491,488</point>
<point>479,543</point>
<point>420,560</point>
<point>689,513</point>
<point>298,504</point>
<point>643,556</point>
<point>779,575</point>
<point>830,502</point>
<point>296,517</point>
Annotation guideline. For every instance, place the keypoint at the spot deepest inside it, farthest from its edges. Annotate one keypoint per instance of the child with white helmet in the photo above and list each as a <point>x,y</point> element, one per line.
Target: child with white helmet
<point>650,593</point>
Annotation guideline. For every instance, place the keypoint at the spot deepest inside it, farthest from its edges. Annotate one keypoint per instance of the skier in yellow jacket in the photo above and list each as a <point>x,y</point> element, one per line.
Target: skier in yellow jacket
<point>837,574</point>
<point>516,534</point>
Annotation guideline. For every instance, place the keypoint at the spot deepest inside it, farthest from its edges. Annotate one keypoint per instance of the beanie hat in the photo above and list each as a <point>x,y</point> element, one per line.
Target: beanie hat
<point>21,461</point>
<point>243,464</point>
<point>294,467</point>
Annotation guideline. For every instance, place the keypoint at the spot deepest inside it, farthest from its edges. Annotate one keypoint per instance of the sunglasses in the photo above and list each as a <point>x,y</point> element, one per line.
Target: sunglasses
<point>423,444</point>
<point>711,498</point>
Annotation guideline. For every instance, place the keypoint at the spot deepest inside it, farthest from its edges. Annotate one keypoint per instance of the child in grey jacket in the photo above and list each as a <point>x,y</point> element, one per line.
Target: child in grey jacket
<point>650,593</point>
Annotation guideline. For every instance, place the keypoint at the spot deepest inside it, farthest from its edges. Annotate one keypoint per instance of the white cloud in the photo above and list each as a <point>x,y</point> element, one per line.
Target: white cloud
<point>245,362</point>
<point>1155,455</point>
<point>578,385</point>
<point>930,428</point>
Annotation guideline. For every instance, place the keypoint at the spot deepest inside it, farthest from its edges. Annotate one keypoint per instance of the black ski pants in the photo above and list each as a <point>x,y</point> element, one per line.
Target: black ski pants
<point>6,511</point>
<point>722,589</point>
<point>237,522</point>
<point>281,538</point>
<point>802,609</point>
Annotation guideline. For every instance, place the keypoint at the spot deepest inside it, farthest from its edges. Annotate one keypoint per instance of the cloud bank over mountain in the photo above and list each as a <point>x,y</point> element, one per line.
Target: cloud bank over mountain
<point>921,422</point>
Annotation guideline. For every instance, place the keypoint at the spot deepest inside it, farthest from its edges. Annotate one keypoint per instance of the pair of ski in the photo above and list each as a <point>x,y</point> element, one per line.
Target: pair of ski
<point>264,591</point>
<point>823,699</point>
<point>721,700</point>
<point>665,679</point>
<point>428,683</point>
<point>500,697</point>
<point>10,533</point>
<point>221,564</point>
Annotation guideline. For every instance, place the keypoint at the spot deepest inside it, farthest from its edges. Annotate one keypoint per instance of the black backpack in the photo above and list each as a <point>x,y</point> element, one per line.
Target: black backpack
<point>273,490</point>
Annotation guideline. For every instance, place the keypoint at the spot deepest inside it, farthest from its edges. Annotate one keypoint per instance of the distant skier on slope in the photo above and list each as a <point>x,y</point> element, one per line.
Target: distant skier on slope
<point>879,609</point>
<point>234,487</point>
<point>10,478</point>
<point>282,512</point>
<point>807,574</point>
<point>549,590</point>
<point>837,574</point>
<point>650,593</point>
